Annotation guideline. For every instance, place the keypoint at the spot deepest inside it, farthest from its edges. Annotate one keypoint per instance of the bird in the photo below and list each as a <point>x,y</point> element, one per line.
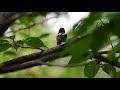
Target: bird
<point>62,36</point>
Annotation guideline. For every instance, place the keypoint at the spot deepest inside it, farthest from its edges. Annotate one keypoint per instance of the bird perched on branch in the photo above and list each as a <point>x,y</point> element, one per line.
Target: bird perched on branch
<point>61,37</point>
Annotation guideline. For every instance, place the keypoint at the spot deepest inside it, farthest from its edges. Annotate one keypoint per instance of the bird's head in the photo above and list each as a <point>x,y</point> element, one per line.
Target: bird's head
<point>61,31</point>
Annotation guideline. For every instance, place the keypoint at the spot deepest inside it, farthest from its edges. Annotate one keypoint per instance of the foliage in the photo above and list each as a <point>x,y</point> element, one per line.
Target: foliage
<point>97,37</point>
<point>91,69</point>
<point>34,42</point>
<point>109,69</point>
<point>100,39</point>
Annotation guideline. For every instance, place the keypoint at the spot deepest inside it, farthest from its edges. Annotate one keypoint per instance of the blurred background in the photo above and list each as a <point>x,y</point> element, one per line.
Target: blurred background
<point>50,24</point>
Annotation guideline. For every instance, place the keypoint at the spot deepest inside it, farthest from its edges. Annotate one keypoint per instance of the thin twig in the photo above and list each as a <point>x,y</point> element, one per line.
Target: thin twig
<point>47,58</point>
<point>31,57</point>
<point>31,48</point>
<point>104,59</point>
<point>62,65</point>
<point>12,68</point>
<point>37,23</point>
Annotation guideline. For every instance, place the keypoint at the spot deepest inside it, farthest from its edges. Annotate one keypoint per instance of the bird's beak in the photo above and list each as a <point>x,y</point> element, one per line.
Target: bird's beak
<point>59,33</point>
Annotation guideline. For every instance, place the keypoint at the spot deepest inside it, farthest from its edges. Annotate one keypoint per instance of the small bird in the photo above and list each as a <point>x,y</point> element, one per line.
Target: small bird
<point>61,37</point>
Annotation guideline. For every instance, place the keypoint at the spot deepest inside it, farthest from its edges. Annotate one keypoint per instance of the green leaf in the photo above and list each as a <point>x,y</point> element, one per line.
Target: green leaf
<point>4,47</point>
<point>79,48</point>
<point>44,35</point>
<point>111,54</point>
<point>117,75</point>
<point>26,20</point>
<point>76,59</point>
<point>3,41</point>
<point>109,69</point>
<point>91,69</point>
<point>11,37</point>
<point>100,37</point>
<point>10,53</point>
<point>88,22</point>
<point>114,23</point>
<point>34,42</point>
<point>20,42</point>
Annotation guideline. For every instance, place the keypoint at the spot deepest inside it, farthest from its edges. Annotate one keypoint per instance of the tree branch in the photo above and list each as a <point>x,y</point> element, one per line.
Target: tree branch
<point>104,59</point>
<point>38,23</point>
<point>50,57</point>
<point>37,62</point>
<point>40,58</point>
<point>61,65</point>
<point>31,57</point>
<point>6,19</point>
<point>35,59</point>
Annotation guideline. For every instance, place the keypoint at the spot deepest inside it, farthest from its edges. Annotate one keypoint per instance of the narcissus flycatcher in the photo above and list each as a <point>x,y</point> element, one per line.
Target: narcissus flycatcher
<point>61,37</point>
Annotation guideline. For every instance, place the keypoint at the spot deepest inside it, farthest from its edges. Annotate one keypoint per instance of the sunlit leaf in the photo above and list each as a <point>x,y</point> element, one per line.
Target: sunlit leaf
<point>34,42</point>
<point>3,41</point>
<point>4,47</point>
<point>91,69</point>
<point>109,69</point>
<point>10,53</point>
